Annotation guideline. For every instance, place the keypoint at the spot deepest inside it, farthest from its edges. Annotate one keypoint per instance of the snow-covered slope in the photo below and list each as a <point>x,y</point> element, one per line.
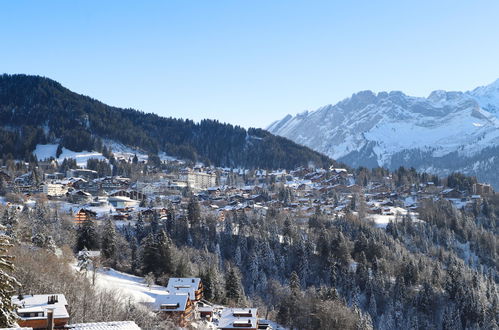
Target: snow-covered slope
<point>46,151</point>
<point>120,151</point>
<point>445,132</point>
<point>487,97</point>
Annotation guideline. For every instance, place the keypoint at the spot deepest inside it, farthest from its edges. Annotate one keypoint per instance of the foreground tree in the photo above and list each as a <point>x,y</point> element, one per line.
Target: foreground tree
<point>87,236</point>
<point>7,284</point>
<point>108,243</point>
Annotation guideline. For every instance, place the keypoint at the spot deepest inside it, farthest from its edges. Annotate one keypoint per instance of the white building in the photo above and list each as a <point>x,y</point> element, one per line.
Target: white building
<point>150,189</point>
<point>54,189</point>
<point>199,180</point>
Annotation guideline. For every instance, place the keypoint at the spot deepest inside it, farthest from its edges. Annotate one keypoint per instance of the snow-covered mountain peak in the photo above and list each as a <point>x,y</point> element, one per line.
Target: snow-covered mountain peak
<point>487,96</point>
<point>392,129</point>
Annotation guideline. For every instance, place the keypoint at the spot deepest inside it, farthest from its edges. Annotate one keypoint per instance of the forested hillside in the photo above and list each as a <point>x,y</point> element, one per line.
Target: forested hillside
<point>320,272</point>
<point>36,110</point>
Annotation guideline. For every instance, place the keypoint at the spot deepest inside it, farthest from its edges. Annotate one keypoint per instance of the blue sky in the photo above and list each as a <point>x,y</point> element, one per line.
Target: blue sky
<point>249,62</point>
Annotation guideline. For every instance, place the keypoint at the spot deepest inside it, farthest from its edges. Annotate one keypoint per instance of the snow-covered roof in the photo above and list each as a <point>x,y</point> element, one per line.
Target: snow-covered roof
<point>119,325</point>
<point>237,318</point>
<point>173,303</point>
<point>181,290</point>
<point>184,281</point>
<point>186,285</point>
<point>120,199</point>
<point>39,303</point>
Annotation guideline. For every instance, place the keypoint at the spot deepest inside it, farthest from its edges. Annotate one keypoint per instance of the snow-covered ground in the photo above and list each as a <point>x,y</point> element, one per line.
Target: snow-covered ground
<point>136,288</point>
<point>382,220</point>
<point>45,151</point>
<point>67,207</point>
<point>130,286</point>
<point>274,325</point>
<point>120,151</point>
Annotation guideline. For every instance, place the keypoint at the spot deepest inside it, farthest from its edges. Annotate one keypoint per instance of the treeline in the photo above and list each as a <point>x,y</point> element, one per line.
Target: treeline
<point>410,177</point>
<point>436,274</point>
<point>79,123</point>
<point>158,250</point>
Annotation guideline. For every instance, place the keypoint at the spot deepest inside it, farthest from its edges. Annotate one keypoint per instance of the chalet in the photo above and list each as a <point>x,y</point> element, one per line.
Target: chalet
<point>258,198</point>
<point>122,202</point>
<point>478,189</point>
<point>178,308</point>
<point>54,176</point>
<point>132,194</point>
<point>24,180</point>
<point>77,183</point>
<point>150,189</point>
<point>348,189</point>
<point>264,325</point>
<point>84,215</point>
<point>451,193</point>
<point>36,311</point>
<point>213,191</point>
<point>47,165</point>
<point>205,311</point>
<point>113,183</point>
<point>82,173</point>
<point>161,211</point>
<point>79,197</point>
<point>238,318</point>
<point>191,286</point>
<point>122,216</point>
<point>148,214</point>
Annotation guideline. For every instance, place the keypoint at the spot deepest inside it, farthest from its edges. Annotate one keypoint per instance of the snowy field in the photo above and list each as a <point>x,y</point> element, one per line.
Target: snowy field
<point>382,220</point>
<point>45,151</point>
<point>130,286</point>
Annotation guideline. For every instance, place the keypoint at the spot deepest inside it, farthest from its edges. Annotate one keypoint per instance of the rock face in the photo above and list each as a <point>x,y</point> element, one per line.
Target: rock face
<point>443,133</point>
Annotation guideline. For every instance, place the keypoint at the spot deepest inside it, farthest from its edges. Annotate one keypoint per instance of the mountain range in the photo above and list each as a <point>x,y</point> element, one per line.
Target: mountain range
<point>36,110</point>
<point>443,133</point>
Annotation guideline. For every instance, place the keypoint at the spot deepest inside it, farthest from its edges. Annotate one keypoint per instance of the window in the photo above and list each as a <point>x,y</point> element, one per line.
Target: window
<point>241,324</point>
<point>170,306</point>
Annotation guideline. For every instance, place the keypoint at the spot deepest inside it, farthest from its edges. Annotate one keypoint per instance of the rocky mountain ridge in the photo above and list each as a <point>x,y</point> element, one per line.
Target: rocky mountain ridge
<point>442,133</point>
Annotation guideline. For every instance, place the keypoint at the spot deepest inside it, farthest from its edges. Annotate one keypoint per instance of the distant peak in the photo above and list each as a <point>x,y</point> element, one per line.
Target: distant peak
<point>358,99</point>
<point>492,87</point>
<point>437,95</point>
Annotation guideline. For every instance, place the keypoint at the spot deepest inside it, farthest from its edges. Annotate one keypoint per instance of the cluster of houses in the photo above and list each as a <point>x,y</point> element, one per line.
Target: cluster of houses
<point>50,311</point>
<point>224,191</point>
<point>220,192</point>
<point>183,305</point>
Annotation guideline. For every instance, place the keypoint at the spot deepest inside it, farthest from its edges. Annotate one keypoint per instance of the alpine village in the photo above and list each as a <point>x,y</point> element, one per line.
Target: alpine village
<point>117,219</point>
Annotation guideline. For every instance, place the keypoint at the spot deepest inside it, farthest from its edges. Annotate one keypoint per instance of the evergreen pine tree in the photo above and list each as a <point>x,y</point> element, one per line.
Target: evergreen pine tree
<point>58,151</point>
<point>149,255</point>
<point>373,308</point>
<point>207,279</point>
<point>87,236</point>
<point>108,242</point>
<point>164,256</point>
<point>233,290</point>
<point>294,283</point>
<point>193,211</point>
<point>140,231</point>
